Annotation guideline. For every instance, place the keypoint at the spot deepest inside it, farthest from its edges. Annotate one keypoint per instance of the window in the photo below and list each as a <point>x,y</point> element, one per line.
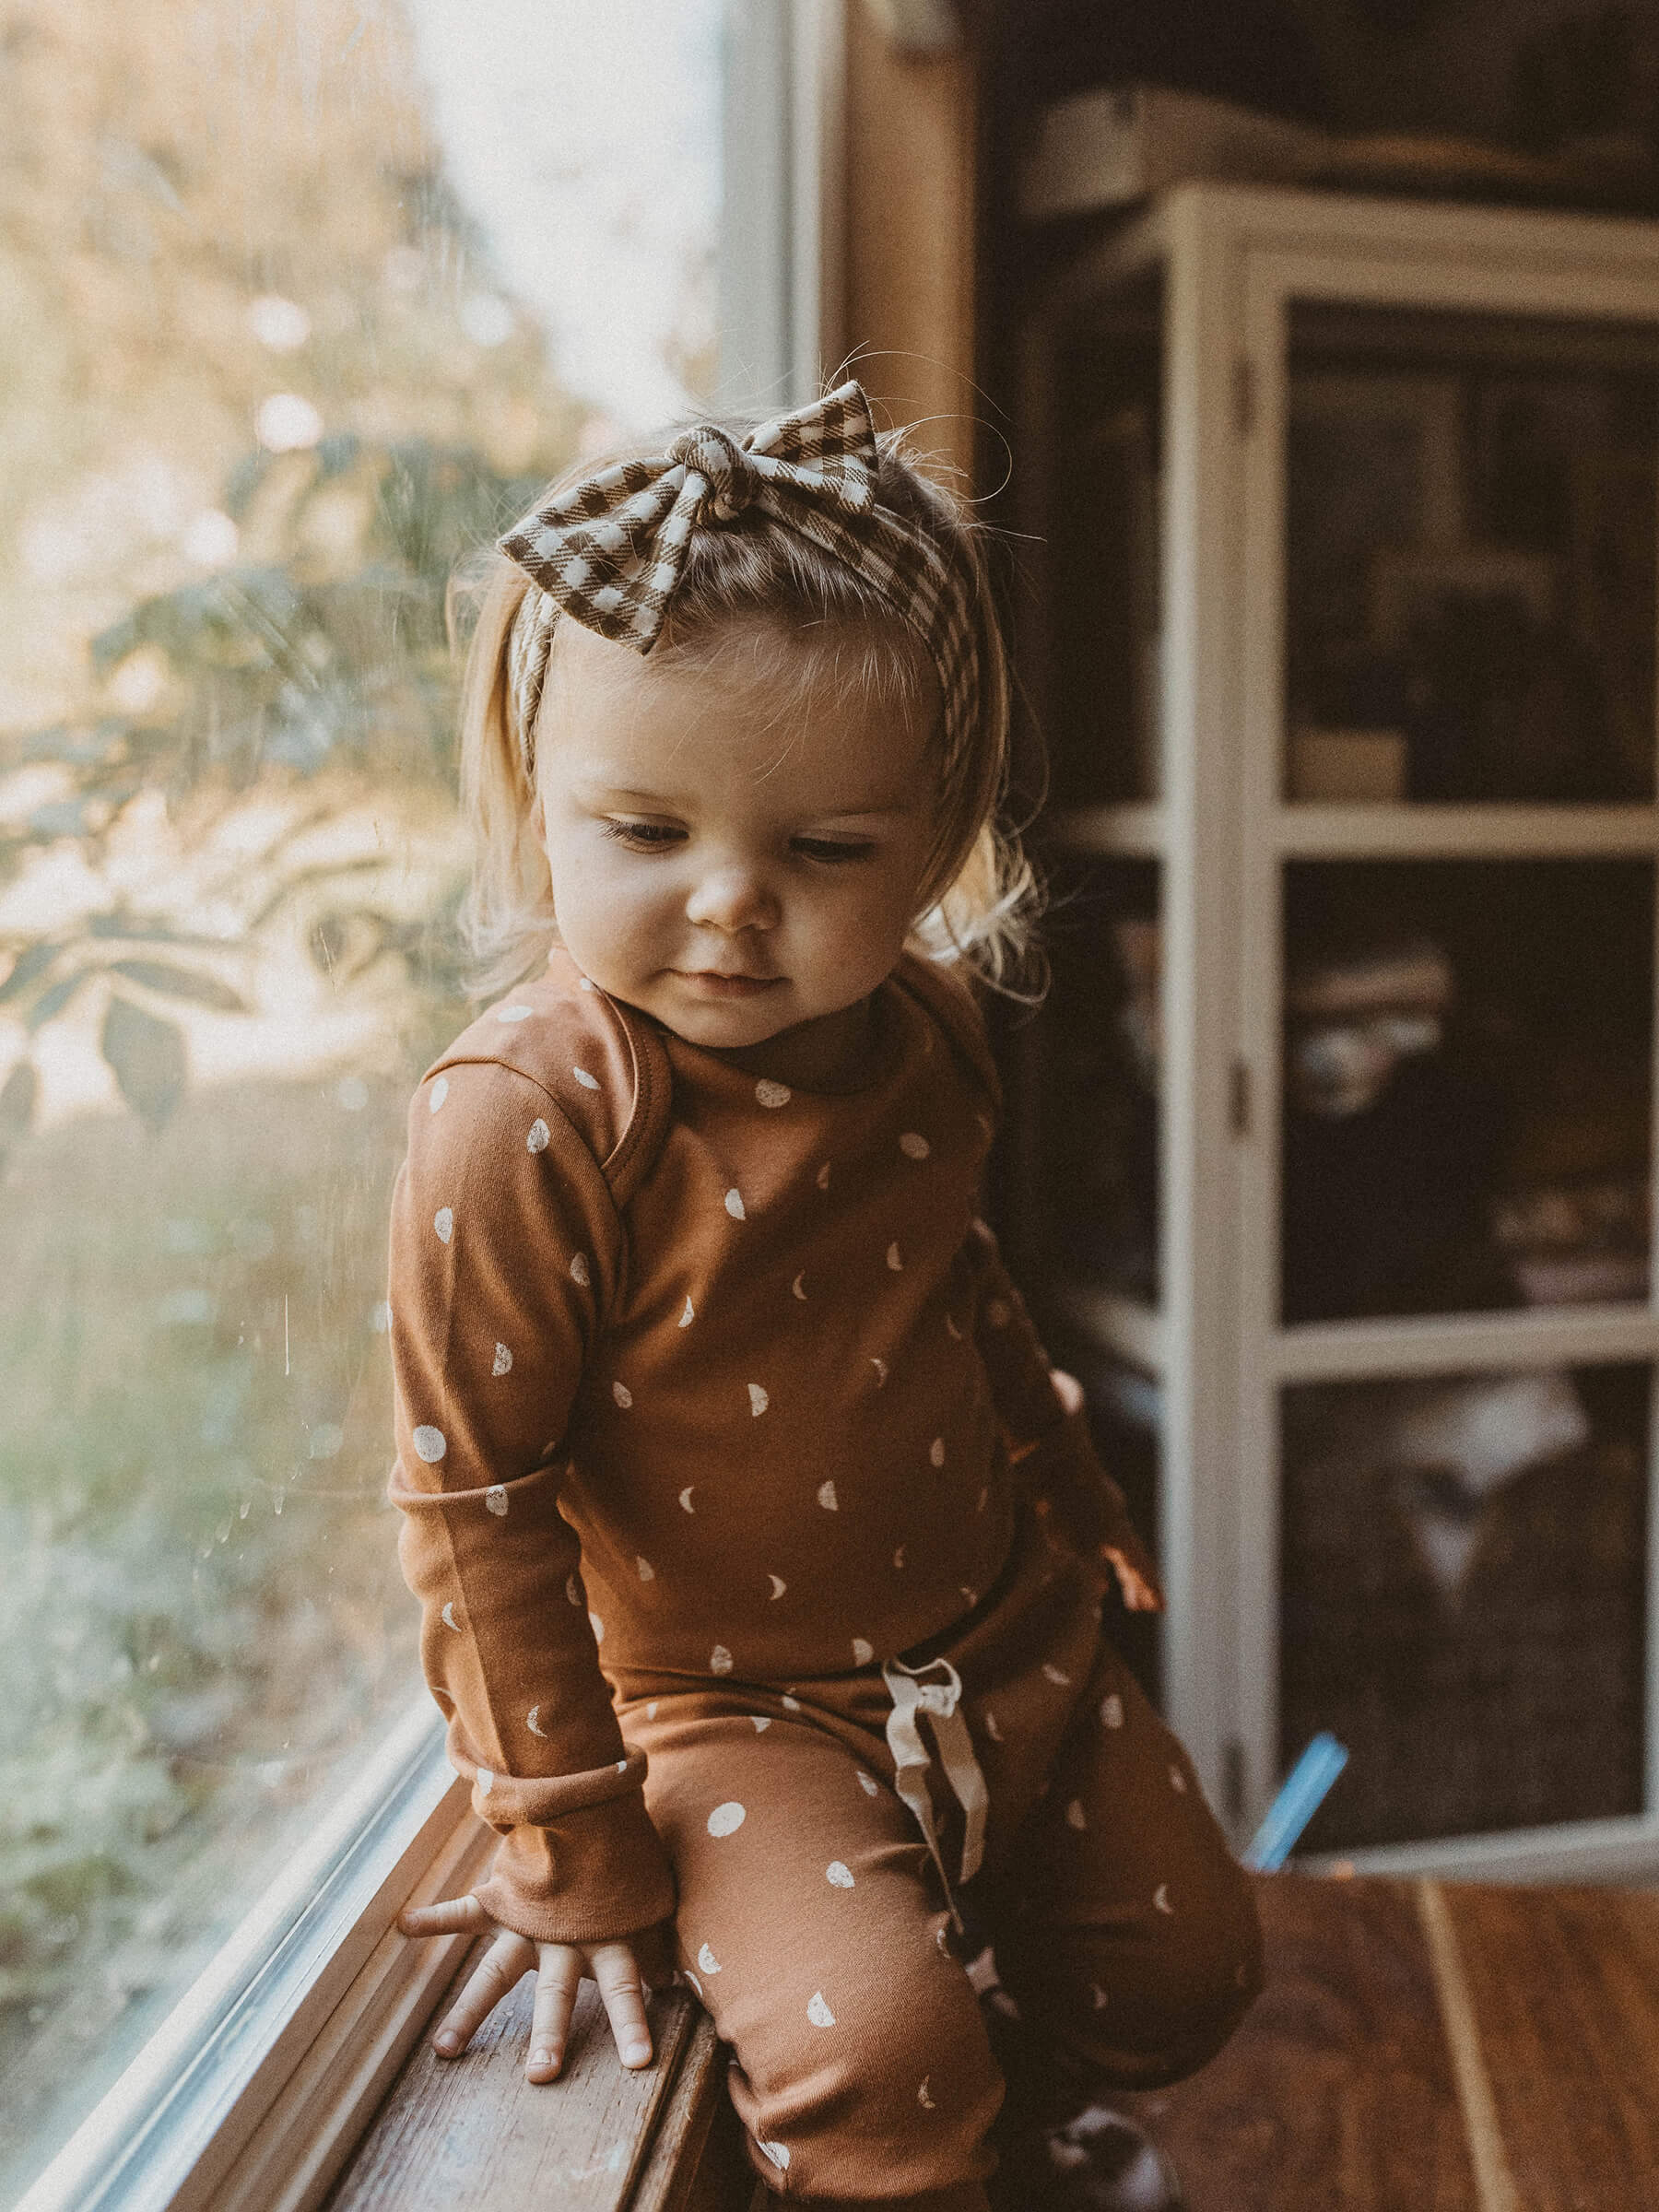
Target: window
<point>304,299</point>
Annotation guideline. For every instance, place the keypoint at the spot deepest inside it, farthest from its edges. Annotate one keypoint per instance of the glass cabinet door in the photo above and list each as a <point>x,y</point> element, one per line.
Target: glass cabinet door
<point>1470,557</point>
<point>1446,961</point>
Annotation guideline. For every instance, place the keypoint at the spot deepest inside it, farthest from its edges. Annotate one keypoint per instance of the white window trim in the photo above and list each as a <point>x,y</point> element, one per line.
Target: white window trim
<point>258,2084</point>
<point>782,173</point>
<point>315,1971</point>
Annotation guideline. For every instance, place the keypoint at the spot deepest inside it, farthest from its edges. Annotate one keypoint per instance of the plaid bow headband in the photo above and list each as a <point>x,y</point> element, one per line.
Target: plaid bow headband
<point>610,553</point>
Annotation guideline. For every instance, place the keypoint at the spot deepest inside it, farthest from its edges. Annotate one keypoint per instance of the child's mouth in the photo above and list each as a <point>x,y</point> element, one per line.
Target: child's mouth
<point>716,986</point>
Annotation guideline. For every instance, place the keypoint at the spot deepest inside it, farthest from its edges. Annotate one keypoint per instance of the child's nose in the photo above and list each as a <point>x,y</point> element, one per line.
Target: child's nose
<point>730,899</point>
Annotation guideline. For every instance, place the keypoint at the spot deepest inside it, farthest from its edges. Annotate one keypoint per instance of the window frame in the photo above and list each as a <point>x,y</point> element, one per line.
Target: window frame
<point>253,2090</point>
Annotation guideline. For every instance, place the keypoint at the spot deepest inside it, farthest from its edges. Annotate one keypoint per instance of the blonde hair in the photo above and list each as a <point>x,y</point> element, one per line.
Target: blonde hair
<point>979,897</point>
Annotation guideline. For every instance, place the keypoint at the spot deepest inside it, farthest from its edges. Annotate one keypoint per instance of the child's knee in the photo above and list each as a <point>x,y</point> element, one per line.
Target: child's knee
<point>893,2095</point>
<point>1144,1998</point>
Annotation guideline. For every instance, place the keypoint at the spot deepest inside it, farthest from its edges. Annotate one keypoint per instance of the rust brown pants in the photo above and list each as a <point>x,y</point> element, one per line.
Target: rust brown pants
<point>814,1924</point>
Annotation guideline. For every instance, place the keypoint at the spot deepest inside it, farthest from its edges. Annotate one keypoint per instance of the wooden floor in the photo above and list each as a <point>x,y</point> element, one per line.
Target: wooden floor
<point>1424,2047</point>
<point>1420,2048</point>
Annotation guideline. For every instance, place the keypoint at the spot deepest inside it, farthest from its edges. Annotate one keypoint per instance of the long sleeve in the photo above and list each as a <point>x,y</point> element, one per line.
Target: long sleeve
<point>1051,1447</point>
<point>503,1252</point>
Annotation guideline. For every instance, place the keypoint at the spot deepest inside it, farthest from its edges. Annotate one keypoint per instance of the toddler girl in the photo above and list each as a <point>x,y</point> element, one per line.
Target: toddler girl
<point>761,1558</point>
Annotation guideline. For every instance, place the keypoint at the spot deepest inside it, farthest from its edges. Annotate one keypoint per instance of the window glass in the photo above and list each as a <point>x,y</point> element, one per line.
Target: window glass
<point>302,298</point>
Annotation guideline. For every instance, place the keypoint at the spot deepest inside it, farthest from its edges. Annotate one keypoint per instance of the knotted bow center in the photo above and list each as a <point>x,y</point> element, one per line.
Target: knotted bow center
<point>724,467</point>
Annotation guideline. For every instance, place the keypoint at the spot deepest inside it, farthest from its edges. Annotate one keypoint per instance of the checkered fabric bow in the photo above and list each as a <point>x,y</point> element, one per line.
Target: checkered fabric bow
<point>610,552</point>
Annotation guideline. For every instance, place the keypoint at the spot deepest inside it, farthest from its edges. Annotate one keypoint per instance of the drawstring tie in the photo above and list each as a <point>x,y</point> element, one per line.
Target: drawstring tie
<point>940,1699</point>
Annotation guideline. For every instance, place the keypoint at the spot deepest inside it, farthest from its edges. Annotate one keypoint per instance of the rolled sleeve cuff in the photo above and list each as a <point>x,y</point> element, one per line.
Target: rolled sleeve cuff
<point>595,1876</point>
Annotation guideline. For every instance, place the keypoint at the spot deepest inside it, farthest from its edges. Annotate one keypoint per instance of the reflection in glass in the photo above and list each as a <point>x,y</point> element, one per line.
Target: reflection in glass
<point>1467,1086</point>
<point>277,358</point>
<point>1470,545</point>
<point>1101,1044</point>
<point>1463,1599</point>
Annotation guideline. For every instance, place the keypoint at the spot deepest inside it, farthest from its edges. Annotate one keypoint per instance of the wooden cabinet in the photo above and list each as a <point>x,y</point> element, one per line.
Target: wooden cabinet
<point>1333,1146</point>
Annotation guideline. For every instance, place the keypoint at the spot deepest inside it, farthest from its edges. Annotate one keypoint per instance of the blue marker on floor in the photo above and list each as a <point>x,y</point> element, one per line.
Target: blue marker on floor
<point>1299,1798</point>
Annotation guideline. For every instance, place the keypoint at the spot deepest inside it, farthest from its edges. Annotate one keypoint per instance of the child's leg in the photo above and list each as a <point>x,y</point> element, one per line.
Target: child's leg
<point>862,2071</point>
<point>1126,1931</point>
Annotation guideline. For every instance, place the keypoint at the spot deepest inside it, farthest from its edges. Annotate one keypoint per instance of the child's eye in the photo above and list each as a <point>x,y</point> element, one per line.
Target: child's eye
<point>834,849</point>
<point>643,837</point>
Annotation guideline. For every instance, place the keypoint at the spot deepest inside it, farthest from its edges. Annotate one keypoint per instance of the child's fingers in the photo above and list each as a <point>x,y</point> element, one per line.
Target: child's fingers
<point>614,1968</point>
<point>1068,1389</point>
<point>557,1977</point>
<point>454,1916</point>
<point>507,1958</point>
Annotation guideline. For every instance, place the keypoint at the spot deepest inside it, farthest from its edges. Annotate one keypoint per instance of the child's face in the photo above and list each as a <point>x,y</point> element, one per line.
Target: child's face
<point>729,853</point>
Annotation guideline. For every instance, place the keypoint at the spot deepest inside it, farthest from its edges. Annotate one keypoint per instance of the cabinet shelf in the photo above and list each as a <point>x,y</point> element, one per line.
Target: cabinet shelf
<point>1131,832</point>
<point>1452,1343</point>
<point>1122,1326</point>
<point>1477,832</point>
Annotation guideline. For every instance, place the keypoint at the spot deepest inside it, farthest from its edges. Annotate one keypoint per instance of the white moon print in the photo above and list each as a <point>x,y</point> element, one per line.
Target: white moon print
<point>540,1137</point>
<point>647,1571</point>
<point>935,1451</point>
<point>895,1258</point>
<point>1112,1712</point>
<point>881,1370</point>
<point>597,1626</point>
<point>430,1443</point>
<point>762,1722</point>
<point>818,2010</point>
<point>530,1722</point>
<point>485,1781</point>
<point>448,1616</point>
<point>778,1584</point>
<point>587,1082</point>
<point>866,1783</point>
<point>777,2152</point>
<point>923,2099</point>
<point>689,1315</point>
<point>495,1498</point>
<point>1058,1676</point>
<point>726,1819</point>
<point>759,1401</point>
<point>686,1504</point>
<point>720,1660</point>
<point>994,1727</point>
<point>436,1096</point>
<point>707,1960</point>
<point>504,1360</point>
<point>1075,1815</point>
<point>572,1589</point>
<point>798,1287</point>
<point>827,1499</point>
<point>915,1147</point>
<point>823,1177</point>
<point>443,1221</point>
<point>772,1094</point>
<point>899,1558</point>
<point>579,1269</point>
<point>734,1204</point>
<point>864,1650</point>
<point>839,1875</point>
<point>514,1013</point>
<point>1160,1898</point>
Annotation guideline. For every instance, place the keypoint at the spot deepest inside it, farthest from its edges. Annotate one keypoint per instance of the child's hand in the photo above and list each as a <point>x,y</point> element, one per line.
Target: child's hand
<point>559,1968</point>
